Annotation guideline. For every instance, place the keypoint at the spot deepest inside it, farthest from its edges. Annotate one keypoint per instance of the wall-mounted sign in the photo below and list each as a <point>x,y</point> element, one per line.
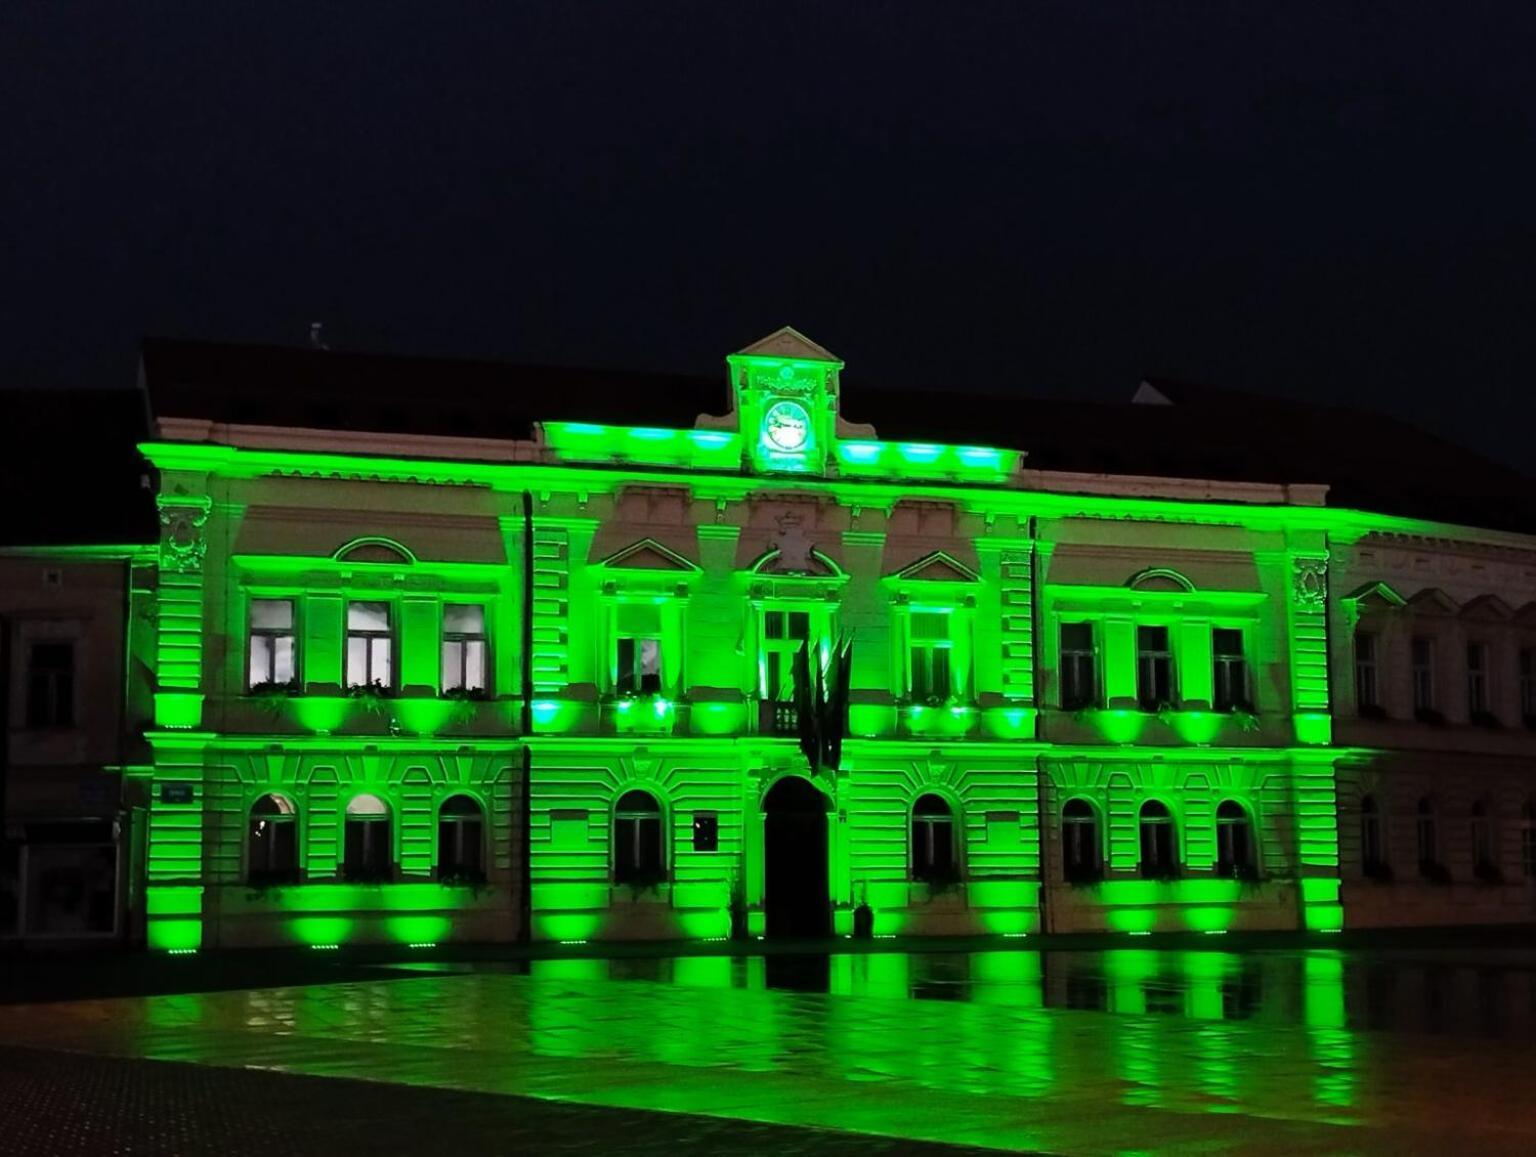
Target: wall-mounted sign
<point>175,793</point>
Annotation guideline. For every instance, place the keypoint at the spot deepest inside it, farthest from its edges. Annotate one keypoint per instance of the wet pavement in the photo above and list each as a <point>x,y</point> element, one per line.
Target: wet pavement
<point>1146,1051</point>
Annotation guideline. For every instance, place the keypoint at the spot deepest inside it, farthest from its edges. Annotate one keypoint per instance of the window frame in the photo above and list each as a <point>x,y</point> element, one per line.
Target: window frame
<point>1372,822</point>
<point>267,874</point>
<point>1074,868</point>
<point>1479,685</point>
<point>458,823</point>
<point>463,640</point>
<point>1237,858</point>
<point>638,873</point>
<point>1147,665</point>
<point>370,636</point>
<point>272,634</point>
<point>1227,669</point>
<point>1070,664</point>
<point>1422,674</point>
<point>1367,672</point>
<point>930,651</point>
<point>928,869</point>
<point>1166,824</point>
<point>60,701</point>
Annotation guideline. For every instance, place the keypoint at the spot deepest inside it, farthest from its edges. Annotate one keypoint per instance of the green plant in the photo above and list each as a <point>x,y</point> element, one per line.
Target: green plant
<point>371,695</point>
<point>1247,721</point>
<point>472,879</point>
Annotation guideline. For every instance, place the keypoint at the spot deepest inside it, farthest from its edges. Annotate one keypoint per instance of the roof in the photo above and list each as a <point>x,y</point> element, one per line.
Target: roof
<point>325,390</point>
<point>73,474</point>
<point>1369,461</point>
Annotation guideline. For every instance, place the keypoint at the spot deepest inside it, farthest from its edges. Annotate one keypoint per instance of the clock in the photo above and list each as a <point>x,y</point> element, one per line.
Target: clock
<point>787,427</point>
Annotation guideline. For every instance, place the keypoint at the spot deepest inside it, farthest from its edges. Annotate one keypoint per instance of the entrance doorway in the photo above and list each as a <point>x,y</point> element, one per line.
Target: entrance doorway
<point>796,899</point>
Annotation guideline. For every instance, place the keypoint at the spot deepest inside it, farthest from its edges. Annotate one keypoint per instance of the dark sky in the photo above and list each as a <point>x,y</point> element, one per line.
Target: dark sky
<point>1332,201</point>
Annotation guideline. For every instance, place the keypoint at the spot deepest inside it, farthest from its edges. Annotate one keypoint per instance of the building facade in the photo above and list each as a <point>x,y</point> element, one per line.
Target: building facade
<point>586,681</point>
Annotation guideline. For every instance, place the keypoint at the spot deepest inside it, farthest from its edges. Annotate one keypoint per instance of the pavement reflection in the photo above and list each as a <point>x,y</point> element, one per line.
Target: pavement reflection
<point>1068,1052</point>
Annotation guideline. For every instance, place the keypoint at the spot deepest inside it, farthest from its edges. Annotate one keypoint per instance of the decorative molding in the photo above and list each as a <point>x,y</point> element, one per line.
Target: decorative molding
<point>182,542</point>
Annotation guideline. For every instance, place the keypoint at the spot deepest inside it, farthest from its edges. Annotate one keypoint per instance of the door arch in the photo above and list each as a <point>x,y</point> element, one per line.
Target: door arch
<point>796,897</point>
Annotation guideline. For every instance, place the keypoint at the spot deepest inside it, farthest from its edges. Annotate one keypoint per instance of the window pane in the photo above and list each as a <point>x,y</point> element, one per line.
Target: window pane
<point>1227,643</point>
<point>271,614</point>
<point>261,658</point>
<point>474,665</point>
<point>357,662</point>
<point>1077,636</point>
<point>799,624</point>
<point>282,659</point>
<point>381,654</point>
<point>368,616</point>
<point>464,619</point>
<point>453,665</point>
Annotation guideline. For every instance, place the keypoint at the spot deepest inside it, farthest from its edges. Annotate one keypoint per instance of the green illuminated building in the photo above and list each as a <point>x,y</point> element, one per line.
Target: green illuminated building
<point>419,679</point>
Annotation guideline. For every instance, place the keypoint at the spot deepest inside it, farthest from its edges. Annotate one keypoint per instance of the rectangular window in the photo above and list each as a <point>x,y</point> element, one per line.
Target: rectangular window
<point>929,647</point>
<point>1079,680</point>
<point>463,647</point>
<point>1423,663</point>
<point>51,684</point>
<point>271,643</point>
<point>370,645</point>
<point>1477,679</point>
<point>706,831</point>
<point>637,656</point>
<point>1367,693</point>
<point>1154,668</point>
<point>1230,671</point>
<point>1528,685</point>
<point>784,634</point>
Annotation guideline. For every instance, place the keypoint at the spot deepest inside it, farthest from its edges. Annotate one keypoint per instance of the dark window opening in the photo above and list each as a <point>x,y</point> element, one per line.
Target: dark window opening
<point>1229,671</point>
<point>637,857</point>
<point>1081,859</point>
<point>1079,680</point>
<point>51,685</point>
<point>272,845</point>
<point>933,842</point>
<point>1159,856</point>
<point>1154,668</point>
<point>460,840</point>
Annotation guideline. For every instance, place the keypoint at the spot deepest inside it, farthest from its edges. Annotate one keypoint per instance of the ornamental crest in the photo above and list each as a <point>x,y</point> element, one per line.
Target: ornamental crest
<point>182,545</point>
<point>1309,582</point>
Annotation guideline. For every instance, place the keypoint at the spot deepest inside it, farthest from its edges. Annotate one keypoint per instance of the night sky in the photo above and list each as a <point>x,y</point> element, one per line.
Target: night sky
<point>1329,201</point>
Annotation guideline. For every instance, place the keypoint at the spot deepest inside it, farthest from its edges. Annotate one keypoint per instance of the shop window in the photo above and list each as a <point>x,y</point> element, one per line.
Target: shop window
<point>1159,855</point>
<point>637,851</point>
<point>1154,668</point>
<point>51,684</point>
<point>464,651</point>
<point>272,842</point>
<point>1081,859</point>
<point>368,854</point>
<point>460,840</point>
<point>1229,671</point>
<point>933,841</point>
<point>1079,679</point>
<point>272,650</point>
<point>370,646</point>
<point>1234,842</point>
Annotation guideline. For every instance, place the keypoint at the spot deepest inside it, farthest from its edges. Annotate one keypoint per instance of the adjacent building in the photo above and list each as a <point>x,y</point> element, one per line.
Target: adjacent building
<point>445,651</point>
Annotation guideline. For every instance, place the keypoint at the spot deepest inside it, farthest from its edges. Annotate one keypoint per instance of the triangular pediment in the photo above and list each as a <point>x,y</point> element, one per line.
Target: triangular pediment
<point>1487,609</point>
<point>1377,594</point>
<point>937,567</point>
<point>789,343</point>
<point>1433,601</point>
<point>648,554</point>
<point>1526,615</point>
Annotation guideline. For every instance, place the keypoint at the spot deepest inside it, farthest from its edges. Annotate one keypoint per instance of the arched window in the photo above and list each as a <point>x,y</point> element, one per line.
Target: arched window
<point>1081,861</point>
<point>1485,857</point>
<point>272,842</point>
<point>369,854</point>
<point>460,840</point>
<point>1373,849</point>
<point>1234,841</point>
<point>1528,839</point>
<point>933,841</point>
<point>1159,857</point>
<point>637,839</point>
<point>1428,830</point>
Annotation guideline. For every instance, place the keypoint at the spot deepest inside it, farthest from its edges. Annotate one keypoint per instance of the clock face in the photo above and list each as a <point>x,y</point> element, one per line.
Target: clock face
<point>787,426</point>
